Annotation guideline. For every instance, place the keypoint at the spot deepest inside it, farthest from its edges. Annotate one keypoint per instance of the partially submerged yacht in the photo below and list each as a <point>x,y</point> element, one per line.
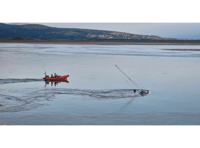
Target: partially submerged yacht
<point>142,92</point>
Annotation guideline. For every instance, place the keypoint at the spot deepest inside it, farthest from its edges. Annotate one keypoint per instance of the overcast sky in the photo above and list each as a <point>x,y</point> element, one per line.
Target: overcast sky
<point>170,30</point>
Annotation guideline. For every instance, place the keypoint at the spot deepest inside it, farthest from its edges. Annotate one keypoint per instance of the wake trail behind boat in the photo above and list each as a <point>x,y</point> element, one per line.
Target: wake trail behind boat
<point>33,99</point>
<point>7,81</point>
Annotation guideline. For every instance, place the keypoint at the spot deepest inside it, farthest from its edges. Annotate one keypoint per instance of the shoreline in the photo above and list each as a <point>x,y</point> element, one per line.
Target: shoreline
<point>97,43</point>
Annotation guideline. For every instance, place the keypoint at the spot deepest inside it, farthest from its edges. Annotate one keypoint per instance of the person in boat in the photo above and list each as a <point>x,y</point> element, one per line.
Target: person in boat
<point>52,75</point>
<point>55,75</point>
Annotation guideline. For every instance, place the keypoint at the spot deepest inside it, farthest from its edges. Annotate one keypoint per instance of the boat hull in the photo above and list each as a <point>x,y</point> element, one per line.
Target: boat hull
<point>59,78</point>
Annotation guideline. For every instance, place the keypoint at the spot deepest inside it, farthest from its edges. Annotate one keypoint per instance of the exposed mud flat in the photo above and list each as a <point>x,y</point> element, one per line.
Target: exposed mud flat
<point>182,49</point>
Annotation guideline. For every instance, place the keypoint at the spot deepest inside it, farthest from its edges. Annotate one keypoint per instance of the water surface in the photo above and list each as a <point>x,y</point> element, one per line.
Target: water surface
<point>97,92</point>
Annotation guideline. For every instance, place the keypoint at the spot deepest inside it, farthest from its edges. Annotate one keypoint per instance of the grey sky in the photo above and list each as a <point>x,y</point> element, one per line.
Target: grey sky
<point>170,30</point>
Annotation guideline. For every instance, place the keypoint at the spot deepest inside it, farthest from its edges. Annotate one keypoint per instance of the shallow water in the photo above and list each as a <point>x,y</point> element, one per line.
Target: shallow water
<point>97,92</point>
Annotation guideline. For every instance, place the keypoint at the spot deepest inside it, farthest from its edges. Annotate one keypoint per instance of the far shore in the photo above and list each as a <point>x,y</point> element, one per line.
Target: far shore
<point>102,42</point>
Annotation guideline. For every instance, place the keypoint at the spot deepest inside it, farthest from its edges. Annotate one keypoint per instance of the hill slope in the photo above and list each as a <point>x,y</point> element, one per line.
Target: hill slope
<point>36,31</point>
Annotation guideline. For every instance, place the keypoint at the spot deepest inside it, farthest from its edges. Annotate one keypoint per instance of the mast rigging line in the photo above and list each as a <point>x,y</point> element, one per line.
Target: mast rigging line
<point>129,78</point>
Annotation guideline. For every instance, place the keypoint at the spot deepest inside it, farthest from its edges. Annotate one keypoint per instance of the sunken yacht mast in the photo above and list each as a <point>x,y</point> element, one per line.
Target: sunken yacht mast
<point>142,91</point>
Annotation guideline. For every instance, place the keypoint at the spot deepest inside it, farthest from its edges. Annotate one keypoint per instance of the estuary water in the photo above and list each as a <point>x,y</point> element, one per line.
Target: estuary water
<point>97,92</point>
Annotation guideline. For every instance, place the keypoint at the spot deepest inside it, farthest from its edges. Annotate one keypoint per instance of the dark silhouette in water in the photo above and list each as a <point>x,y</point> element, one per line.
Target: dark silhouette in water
<point>142,91</point>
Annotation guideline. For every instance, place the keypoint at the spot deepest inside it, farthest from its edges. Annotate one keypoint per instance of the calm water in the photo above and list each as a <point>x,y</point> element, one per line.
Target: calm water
<point>97,92</point>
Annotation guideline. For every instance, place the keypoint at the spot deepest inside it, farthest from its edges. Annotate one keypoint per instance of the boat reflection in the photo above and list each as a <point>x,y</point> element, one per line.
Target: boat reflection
<point>54,82</point>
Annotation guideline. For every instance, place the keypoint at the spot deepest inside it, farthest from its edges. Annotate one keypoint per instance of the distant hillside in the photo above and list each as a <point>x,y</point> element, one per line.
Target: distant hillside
<point>36,31</point>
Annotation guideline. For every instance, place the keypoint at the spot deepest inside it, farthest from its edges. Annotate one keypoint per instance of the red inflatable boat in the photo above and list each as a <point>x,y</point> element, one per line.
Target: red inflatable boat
<point>55,77</point>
